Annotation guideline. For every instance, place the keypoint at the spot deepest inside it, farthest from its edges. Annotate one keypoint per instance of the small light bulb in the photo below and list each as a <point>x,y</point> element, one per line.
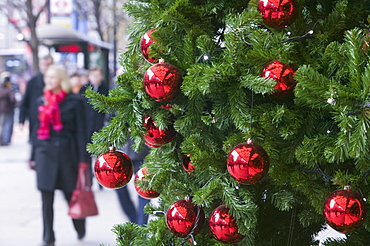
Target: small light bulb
<point>331,101</point>
<point>20,36</point>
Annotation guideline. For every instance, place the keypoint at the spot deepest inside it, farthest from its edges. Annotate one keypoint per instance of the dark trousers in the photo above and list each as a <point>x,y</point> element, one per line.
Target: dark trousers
<point>142,218</point>
<point>8,128</point>
<point>48,216</point>
<point>126,203</point>
<point>135,215</point>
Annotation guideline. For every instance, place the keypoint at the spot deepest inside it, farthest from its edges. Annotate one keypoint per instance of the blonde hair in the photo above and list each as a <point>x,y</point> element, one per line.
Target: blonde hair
<point>63,76</point>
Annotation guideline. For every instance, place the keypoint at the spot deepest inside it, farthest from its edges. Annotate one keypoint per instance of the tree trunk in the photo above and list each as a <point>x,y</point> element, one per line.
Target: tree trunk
<point>33,42</point>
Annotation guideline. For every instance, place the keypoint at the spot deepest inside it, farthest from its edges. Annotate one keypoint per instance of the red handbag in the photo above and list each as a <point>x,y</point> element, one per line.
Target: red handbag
<point>82,203</point>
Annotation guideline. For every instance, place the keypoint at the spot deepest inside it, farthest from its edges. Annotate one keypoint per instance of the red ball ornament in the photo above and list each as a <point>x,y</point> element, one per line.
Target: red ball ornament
<point>184,217</point>
<point>156,137</point>
<point>248,163</point>
<point>113,169</point>
<point>283,74</point>
<point>162,81</point>
<point>186,164</point>
<point>278,13</point>
<point>344,210</point>
<point>223,226</point>
<point>140,176</point>
<point>145,43</point>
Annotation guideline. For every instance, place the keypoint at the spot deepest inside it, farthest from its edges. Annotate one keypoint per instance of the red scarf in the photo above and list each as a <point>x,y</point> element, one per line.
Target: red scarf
<point>49,114</point>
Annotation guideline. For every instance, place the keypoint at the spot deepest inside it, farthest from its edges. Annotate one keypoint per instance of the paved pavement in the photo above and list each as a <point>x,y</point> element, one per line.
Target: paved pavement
<point>20,205</point>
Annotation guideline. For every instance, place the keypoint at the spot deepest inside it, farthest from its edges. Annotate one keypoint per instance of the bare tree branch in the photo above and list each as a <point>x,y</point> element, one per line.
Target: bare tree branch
<point>43,8</point>
<point>97,14</point>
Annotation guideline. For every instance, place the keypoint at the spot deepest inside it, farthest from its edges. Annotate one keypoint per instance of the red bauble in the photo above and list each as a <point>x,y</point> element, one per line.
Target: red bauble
<point>145,43</point>
<point>278,13</point>
<point>182,216</point>
<point>162,81</point>
<point>344,210</point>
<point>113,169</point>
<point>186,164</point>
<point>223,226</point>
<point>156,137</point>
<point>283,74</point>
<point>140,176</point>
<point>248,163</point>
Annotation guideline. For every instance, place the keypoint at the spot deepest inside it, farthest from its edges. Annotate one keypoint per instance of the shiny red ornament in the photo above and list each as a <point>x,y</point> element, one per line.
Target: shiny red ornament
<point>145,193</point>
<point>156,137</point>
<point>145,43</point>
<point>113,169</point>
<point>248,163</point>
<point>278,13</point>
<point>283,74</point>
<point>162,81</point>
<point>344,210</point>
<point>186,164</point>
<point>223,226</point>
<point>184,217</point>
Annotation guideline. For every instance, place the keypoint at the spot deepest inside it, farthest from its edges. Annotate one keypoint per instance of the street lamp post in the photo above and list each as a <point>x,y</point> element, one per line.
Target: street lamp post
<point>114,37</point>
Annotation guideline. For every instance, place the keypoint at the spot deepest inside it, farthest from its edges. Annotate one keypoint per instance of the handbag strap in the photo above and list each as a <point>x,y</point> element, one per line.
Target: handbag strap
<point>83,179</point>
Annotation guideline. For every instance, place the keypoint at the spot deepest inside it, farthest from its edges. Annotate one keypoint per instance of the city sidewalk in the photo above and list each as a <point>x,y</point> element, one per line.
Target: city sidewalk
<point>20,207</point>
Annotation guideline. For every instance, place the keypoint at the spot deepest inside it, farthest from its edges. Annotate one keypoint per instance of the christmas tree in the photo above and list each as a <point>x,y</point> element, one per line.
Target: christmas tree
<point>259,111</point>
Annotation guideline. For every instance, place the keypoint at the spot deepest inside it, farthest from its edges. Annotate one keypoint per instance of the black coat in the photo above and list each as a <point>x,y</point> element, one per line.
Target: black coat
<point>28,106</point>
<point>57,158</point>
<point>7,100</point>
<point>95,120</point>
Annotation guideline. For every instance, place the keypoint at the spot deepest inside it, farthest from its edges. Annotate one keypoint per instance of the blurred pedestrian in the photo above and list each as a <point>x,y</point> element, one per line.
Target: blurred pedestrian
<point>9,120</point>
<point>7,104</point>
<point>84,76</point>
<point>135,214</point>
<point>60,146</point>
<point>75,80</point>
<point>28,106</point>
<point>95,120</point>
